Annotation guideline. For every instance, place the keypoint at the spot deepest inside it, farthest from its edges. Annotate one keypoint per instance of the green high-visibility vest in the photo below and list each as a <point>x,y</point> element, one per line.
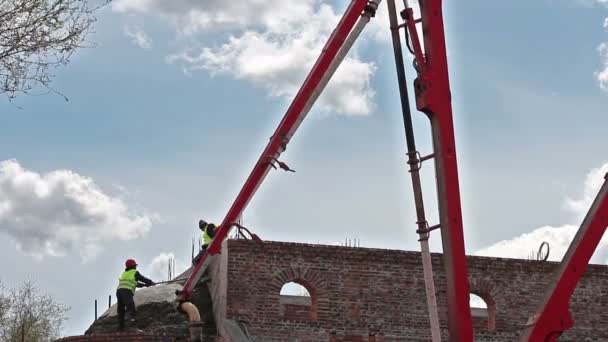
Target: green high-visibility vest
<point>127,280</point>
<point>206,237</point>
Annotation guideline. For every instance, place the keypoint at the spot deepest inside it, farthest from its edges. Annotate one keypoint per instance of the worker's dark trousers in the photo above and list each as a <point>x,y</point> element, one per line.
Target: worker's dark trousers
<point>125,301</point>
<point>199,255</point>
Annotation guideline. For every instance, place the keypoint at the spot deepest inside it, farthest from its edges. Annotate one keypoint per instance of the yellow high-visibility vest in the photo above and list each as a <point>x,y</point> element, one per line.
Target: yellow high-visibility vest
<point>127,280</point>
<point>207,239</point>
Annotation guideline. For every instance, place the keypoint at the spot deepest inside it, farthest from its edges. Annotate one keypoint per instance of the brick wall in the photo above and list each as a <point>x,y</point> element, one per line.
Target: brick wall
<point>121,337</point>
<point>360,294</point>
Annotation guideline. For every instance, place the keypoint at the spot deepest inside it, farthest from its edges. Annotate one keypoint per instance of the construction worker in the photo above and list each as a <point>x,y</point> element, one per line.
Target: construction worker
<point>208,233</point>
<point>128,281</point>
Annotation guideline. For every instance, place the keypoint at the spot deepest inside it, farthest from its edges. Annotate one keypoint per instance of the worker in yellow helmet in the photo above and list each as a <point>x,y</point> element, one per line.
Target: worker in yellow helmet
<point>208,233</point>
<point>127,283</point>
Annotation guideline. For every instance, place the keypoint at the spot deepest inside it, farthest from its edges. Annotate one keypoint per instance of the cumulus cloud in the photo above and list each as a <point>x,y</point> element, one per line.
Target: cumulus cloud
<point>602,75</point>
<point>593,2</point>
<point>192,16</point>
<point>559,238</point>
<point>271,44</point>
<point>593,182</point>
<point>526,245</point>
<point>61,211</point>
<point>294,289</point>
<point>138,36</point>
<point>280,62</point>
<point>157,269</point>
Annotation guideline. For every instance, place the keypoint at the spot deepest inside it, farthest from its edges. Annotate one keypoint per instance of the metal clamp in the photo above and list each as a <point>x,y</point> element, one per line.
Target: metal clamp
<point>281,164</point>
<point>370,9</point>
<point>426,228</point>
<point>417,159</point>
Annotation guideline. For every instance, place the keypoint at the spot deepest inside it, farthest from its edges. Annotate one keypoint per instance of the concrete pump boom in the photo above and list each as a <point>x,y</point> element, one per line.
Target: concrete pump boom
<point>354,20</point>
<point>433,97</point>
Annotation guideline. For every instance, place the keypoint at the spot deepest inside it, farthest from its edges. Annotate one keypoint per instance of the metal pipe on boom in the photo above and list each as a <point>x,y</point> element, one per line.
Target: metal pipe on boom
<point>415,163</point>
<point>433,97</point>
<point>333,52</point>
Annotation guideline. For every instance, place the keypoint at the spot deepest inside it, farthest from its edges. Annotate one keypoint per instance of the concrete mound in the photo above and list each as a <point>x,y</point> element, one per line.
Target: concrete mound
<point>157,312</point>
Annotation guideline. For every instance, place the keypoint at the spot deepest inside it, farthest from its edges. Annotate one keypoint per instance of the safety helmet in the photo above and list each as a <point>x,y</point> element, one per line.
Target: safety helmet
<point>202,224</point>
<point>130,263</point>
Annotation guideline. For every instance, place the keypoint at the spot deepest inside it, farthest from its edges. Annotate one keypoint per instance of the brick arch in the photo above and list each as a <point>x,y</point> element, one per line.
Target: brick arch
<point>487,290</point>
<point>306,277</point>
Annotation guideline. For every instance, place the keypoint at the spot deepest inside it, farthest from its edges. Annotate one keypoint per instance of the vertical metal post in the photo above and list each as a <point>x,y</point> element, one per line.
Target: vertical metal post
<point>95,309</point>
<point>109,301</point>
<point>414,163</point>
<point>433,97</point>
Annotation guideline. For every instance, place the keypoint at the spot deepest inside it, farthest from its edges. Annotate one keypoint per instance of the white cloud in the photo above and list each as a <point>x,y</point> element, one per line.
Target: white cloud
<point>592,2</point>
<point>602,75</point>
<point>194,16</point>
<point>522,247</point>
<point>272,44</point>
<point>61,211</point>
<point>294,289</point>
<point>559,238</point>
<point>138,36</point>
<point>279,62</point>
<point>158,268</point>
<point>593,182</point>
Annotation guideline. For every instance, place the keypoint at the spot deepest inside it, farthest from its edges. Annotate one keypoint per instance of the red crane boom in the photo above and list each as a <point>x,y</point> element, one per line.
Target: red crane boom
<point>552,316</point>
<point>433,98</point>
<point>360,10</point>
<point>432,87</point>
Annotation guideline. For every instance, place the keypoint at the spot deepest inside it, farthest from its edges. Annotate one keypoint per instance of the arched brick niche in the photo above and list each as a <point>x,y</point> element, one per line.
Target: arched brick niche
<point>486,290</point>
<point>299,307</point>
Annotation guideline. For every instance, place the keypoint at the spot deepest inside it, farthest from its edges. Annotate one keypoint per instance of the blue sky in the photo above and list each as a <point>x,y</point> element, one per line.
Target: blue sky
<point>162,141</point>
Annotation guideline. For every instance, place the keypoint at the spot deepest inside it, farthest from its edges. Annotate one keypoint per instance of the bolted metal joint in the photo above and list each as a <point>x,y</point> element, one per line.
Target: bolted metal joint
<point>370,9</point>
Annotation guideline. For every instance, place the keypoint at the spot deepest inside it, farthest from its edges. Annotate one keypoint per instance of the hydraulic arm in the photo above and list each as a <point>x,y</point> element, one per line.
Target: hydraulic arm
<point>553,317</point>
<point>350,26</point>
<point>433,98</point>
<point>432,90</point>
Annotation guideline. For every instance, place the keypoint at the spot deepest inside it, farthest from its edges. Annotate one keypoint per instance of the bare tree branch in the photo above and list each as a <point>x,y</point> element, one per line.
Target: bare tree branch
<point>37,36</point>
<point>26,314</point>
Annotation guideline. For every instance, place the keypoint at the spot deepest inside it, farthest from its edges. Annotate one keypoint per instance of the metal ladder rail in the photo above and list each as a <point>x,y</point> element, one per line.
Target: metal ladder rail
<point>415,163</point>
<point>433,98</point>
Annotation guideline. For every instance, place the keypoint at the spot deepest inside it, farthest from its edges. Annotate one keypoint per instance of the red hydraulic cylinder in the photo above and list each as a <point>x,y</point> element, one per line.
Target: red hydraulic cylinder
<point>281,137</point>
<point>433,97</point>
<point>553,314</point>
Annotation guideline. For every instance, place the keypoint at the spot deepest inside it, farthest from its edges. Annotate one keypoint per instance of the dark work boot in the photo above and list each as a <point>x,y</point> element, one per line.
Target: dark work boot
<point>133,326</point>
